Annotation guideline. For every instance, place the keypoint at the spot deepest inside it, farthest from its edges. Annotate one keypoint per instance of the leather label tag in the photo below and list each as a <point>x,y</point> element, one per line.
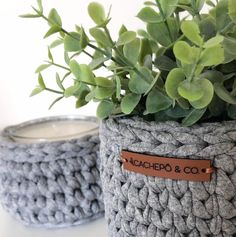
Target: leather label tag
<point>170,168</point>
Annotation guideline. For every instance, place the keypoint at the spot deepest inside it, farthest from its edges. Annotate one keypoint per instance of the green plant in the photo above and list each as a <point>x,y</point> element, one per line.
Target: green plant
<point>179,68</point>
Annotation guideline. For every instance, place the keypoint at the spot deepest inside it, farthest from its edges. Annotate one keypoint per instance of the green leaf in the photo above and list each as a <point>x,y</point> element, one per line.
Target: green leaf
<point>36,91</point>
<point>55,101</point>
<point>54,18</point>
<point>97,62</point>
<point>148,15</point>
<point>162,35</point>
<point>129,102</point>
<point>194,116</point>
<point>83,39</point>
<point>104,82</point>
<point>149,3</point>
<point>85,74</point>
<point>122,30</point>
<point>97,13</point>
<point>54,29</point>
<point>72,90</point>
<point>177,112</point>
<point>147,62</point>
<point>50,57</point>
<point>59,82</point>
<point>174,28</point>
<point>145,52</point>
<point>215,41</point>
<point>162,117</point>
<point>199,4</point>
<point>153,83</point>
<point>224,94</point>
<point>229,45</point>
<point>221,15</point>
<point>56,43</point>
<point>232,111</point>
<point>184,52</point>
<point>208,28</point>
<point>213,76</point>
<point>66,58</point>
<point>118,87</point>
<point>103,93</point>
<point>212,56</point>
<point>191,30</point>
<point>100,36</point>
<point>42,67</point>
<point>183,103</point>
<point>105,109</point>
<point>41,81</point>
<point>80,103</point>
<point>217,106</point>
<point>198,70</point>
<point>164,63</point>
<point>186,8</point>
<point>82,72</point>
<point>40,5</point>
<point>168,7</point>
<point>132,51</point>
<point>232,10</point>
<point>187,69</point>
<point>126,37</point>
<point>143,34</point>
<point>137,83</point>
<point>157,101</point>
<point>29,16</point>
<point>208,93</point>
<point>72,42</point>
<point>210,3</point>
<point>90,96</point>
<point>174,78</point>
<point>190,90</point>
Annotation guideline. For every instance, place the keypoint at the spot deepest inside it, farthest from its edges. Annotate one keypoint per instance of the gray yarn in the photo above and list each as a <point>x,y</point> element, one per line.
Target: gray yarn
<point>54,184</point>
<point>138,205</point>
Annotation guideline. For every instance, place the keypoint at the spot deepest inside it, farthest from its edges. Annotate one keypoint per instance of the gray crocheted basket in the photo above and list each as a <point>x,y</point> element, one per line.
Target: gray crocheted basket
<point>54,184</point>
<point>138,205</point>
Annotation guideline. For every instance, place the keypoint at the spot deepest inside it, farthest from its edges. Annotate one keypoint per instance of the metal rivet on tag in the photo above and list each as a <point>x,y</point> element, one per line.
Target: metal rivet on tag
<point>209,170</point>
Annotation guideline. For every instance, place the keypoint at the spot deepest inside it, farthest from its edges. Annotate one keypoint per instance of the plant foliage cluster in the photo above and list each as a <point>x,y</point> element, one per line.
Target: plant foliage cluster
<point>181,67</point>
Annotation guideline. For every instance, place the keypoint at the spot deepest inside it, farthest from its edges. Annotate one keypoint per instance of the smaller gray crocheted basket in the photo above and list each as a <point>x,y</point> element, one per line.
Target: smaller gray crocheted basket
<point>144,206</point>
<point>52,184</point>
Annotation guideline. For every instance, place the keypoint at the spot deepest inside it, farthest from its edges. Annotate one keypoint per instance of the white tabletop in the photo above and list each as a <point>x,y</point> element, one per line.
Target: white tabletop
<point>12,228</point>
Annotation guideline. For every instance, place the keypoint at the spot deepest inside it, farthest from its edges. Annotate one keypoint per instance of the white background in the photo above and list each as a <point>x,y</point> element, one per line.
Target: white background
<point>22,50</point>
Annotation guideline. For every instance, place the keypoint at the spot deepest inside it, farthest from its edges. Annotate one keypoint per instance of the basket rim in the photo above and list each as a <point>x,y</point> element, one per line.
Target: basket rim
<point>10,133</point>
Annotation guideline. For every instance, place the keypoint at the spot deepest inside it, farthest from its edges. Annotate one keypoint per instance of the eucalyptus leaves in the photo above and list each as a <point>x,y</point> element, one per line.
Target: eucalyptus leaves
<point>177,69</point>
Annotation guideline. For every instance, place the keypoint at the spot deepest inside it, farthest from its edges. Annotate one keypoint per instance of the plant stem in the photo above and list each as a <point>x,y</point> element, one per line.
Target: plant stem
<point>90,45</point>
<point>196,12</point>
<point>58,65</point>
<point>228,26</point>
<point>164,19</point>
<point>125,61</point>
<point>54,91</point>
<point>88,54</point>
<point>109,35</point>
<point>172,44</point>
<point>190,78</point>
<point>65,76</point>
<point>103,52</point>
<point>123,58</point>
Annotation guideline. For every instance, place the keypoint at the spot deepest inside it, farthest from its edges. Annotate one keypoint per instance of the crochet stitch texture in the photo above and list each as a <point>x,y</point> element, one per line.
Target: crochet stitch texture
<point>54,184</point>
<point>142,206</point>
